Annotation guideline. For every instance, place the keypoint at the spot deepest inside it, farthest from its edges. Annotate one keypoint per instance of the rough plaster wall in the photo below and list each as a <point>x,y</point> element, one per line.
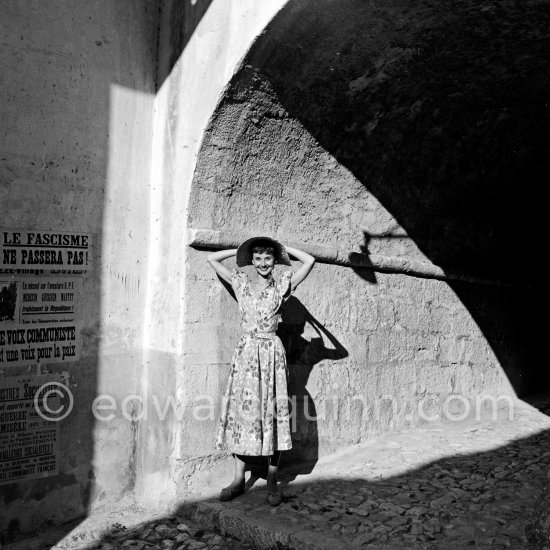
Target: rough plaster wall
<point>285,176</point>
<point>200,46</point>
<point>76,93</point>
<point>382,348</point>
<point>404,338</point>
<point>343,128</point>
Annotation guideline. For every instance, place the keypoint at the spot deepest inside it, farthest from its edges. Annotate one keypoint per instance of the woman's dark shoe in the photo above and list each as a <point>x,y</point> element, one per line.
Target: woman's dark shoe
<point>274,495</point>
<point>274,498</point>
<point>231,492</point>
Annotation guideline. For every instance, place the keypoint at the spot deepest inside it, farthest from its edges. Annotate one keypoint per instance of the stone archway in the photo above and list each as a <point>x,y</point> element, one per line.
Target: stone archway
<point>393,139</point>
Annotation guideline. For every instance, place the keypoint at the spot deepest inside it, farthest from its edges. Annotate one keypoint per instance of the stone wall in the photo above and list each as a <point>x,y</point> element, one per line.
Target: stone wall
<point>374,130</point>
<point>200,46</point>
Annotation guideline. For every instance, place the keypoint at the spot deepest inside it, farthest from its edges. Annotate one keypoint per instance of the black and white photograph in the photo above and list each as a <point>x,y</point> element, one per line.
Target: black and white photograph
<point>272,274</point>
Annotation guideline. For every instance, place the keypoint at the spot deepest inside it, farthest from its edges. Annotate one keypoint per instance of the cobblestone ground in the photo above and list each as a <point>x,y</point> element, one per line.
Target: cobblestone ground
<point>472,501</point>
<point>133,533</point>
<point>454,485</point>
<point>170,533</point>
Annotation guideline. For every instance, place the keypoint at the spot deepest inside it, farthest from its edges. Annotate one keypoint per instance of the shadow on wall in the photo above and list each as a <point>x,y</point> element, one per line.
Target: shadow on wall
<point>363,257</point>
<point>302,354</point>
<point>179,19</point>
<point>444,116</point>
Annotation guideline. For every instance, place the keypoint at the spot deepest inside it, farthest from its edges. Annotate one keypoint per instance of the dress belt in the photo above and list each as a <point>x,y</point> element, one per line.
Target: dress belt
<point>262,335</point>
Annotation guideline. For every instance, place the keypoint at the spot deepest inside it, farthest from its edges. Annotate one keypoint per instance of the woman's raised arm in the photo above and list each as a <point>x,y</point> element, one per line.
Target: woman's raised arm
<point>308,262</point>
<point>215,259</point>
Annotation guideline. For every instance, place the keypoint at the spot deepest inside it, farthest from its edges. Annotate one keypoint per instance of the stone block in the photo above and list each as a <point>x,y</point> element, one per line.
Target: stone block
<point>264,531</point>
<point>311,540</point>
<point>538,530</point>
<point>205,513</point>
<point>377,347</point>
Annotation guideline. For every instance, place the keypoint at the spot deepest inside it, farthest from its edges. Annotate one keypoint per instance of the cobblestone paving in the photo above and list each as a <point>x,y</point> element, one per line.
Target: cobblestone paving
<point>479,500</point>
<point>170,533</point>
<point>469,484</point>
<point>455,485</point>
<point>161,533</point>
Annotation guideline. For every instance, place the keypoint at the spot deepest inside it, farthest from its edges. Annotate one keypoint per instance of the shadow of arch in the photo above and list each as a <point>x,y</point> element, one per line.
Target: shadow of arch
<point>441,114</point>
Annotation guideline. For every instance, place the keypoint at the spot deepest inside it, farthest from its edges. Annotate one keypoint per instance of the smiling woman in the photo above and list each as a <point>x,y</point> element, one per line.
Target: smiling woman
<point>263,259</point>
<point>255,413</point>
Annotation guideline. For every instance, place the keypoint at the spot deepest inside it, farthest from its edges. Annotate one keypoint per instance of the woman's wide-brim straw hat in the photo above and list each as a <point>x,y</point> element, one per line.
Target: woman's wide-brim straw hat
<point>244,252</point>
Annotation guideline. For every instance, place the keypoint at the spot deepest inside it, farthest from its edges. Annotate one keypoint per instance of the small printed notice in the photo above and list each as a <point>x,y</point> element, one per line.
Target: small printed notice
<point>28,437</point>
<point>38,320</point>
<point>49,250</point>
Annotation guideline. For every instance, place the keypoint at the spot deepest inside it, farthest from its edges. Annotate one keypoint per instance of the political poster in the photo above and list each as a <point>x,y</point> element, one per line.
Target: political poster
<point>38,320</point>
<point>29,433</point>
<point>45,250</point>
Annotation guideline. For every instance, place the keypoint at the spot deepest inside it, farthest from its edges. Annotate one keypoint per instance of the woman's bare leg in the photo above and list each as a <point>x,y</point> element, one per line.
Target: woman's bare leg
<point>237,486</point>
<point>239,472</point>
<point>272,468</point>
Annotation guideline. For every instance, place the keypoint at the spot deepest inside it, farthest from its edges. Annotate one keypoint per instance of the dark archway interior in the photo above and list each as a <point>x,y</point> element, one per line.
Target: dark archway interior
<point>441,111</point>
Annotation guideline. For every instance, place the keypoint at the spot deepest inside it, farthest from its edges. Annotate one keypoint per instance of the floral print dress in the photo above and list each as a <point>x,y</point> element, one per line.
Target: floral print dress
<point>255,413</point>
